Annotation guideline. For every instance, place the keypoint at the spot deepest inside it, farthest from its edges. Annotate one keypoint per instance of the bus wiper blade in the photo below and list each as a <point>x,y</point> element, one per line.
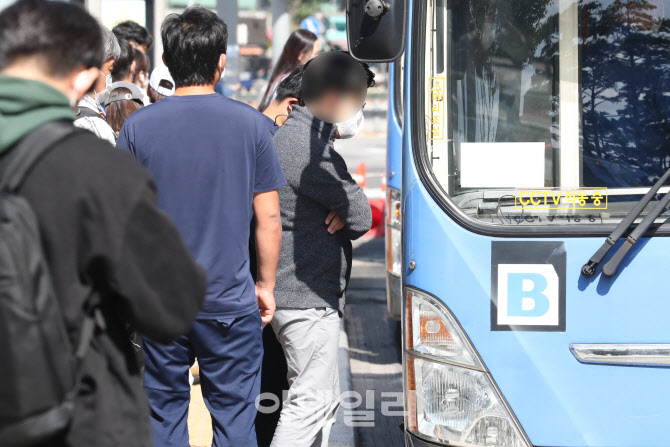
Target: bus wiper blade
<point>589,268</point>
<point>611,266</point>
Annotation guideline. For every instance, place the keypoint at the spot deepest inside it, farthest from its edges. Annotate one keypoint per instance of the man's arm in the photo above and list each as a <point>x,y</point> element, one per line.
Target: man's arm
<point>162,285</point>
<point>268,246</point>
<point>329,183</point>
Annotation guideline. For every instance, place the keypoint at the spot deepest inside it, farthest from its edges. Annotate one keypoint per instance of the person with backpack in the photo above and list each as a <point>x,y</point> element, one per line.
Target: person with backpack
<point>86,256</point>
<point>91,114</point>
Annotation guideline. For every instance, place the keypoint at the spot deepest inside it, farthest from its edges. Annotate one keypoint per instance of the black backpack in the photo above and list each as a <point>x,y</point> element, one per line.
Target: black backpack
<point>38,362</point>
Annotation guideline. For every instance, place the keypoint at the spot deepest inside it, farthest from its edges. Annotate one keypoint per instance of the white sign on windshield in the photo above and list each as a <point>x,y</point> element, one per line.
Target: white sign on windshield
<point>502,165</point>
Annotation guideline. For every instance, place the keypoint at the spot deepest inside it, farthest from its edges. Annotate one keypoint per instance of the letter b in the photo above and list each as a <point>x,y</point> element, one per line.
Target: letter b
<point>525,295</point>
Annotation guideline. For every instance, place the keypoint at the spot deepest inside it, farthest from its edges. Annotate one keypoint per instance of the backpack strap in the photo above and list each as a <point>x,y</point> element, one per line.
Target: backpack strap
<point>20,159</point>
<point>85,112</point>
<point>16,165</point>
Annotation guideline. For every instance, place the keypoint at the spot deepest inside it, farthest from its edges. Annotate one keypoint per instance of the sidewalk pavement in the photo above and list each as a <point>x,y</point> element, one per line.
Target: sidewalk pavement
<point>341,435</point>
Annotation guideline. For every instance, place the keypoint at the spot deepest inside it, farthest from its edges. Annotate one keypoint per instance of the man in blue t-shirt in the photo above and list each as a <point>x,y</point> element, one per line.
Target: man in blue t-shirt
<point>215,167</point>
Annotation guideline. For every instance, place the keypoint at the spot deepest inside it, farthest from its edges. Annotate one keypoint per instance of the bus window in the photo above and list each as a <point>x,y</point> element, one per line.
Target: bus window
<point>625,72</point>
<point>547,111</point>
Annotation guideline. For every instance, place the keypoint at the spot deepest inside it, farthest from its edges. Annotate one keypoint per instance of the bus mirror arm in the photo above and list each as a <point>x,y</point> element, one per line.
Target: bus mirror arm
<point>589,269</point>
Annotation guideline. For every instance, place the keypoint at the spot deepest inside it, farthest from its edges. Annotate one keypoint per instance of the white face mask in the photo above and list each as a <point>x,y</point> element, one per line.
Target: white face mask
<point>108,79</point>
<point>351,127</point>
<point>108,82</point>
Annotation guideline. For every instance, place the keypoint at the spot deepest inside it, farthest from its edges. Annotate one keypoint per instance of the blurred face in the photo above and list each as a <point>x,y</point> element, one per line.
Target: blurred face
<point>316,49</point>
<point>335,107</point>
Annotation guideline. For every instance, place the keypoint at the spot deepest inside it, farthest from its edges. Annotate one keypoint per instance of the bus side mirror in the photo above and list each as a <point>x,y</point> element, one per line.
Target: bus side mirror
<point>376,29</point>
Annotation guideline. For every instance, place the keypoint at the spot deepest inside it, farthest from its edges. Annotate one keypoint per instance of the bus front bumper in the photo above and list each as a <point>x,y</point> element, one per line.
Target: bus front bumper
<point>413,441</point>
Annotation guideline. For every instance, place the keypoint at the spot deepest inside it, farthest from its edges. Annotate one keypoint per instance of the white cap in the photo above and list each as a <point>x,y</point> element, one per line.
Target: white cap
<point>161,73</point>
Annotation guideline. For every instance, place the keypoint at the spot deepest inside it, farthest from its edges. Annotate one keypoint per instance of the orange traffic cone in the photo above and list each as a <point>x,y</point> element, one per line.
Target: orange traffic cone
<point>361,175</point>
<point>377,206</point>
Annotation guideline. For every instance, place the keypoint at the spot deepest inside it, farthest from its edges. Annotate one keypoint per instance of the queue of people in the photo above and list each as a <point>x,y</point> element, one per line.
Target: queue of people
<point>195,222</point>
<point>123,85</point>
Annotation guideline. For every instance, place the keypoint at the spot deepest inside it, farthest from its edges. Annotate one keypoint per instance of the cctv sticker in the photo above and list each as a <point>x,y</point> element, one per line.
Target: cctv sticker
<point>528,286</point>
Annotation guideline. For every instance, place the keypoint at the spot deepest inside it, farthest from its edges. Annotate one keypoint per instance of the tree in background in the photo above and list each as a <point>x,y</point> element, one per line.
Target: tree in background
<point>301,9</point>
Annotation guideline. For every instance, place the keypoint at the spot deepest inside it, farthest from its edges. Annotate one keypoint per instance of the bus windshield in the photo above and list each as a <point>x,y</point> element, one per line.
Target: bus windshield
<point>547,111</point>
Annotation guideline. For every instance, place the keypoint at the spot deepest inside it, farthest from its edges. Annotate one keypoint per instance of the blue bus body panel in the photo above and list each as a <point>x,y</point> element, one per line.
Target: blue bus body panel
<point>558,401</point>
<point>393,138</point>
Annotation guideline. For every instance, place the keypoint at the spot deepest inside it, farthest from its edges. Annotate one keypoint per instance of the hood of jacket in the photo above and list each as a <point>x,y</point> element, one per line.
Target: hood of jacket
<point>25,105</point>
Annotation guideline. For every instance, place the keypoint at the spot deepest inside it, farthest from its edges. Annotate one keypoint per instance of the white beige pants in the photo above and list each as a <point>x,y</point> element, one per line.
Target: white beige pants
<point>310,339</point>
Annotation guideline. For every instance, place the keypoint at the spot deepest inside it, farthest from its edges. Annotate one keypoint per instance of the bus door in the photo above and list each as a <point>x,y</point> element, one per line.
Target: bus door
<point>393,194</point>
<point>532,129</point>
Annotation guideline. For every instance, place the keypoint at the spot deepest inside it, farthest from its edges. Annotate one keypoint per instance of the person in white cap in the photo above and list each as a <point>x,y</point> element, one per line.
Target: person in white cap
<point>161,84</point>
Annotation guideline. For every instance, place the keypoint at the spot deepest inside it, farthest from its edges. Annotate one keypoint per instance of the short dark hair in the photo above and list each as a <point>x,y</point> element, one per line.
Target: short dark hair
<point>335,70</point>
<point>291,85</point>
<point>124,63</point>
<point>64,35</point>
<point>134,32</point>
<point>192,45</point>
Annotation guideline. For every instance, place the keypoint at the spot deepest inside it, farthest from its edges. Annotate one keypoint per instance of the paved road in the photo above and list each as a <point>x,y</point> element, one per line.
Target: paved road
<point>374,338</point>
<point>374,346</point>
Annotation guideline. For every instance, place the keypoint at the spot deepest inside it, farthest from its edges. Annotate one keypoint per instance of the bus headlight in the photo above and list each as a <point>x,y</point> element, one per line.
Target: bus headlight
<point>393,232</point>
<point>435,332</point>
<point>451,398</point>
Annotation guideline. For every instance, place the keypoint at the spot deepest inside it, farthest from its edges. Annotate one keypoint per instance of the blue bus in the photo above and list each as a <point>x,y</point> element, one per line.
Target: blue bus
<point>535,149</point>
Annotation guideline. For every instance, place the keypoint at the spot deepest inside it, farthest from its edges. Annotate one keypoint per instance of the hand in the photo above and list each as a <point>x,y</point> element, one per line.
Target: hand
<point>266,302</point>
<point>334,222</point>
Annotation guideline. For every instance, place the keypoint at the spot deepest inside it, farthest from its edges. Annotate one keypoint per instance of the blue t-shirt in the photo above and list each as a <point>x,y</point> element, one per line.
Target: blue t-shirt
<point>272,127</point>
<point>209,154</point>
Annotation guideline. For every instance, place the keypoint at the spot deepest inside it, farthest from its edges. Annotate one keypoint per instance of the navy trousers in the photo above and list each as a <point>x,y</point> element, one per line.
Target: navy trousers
<point>230,354</point>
